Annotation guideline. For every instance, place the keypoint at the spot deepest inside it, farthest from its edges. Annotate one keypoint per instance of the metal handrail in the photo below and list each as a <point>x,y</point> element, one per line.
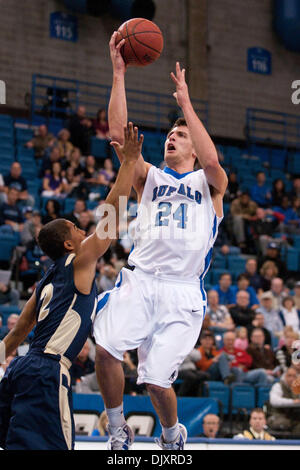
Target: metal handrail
<point>156,107</point>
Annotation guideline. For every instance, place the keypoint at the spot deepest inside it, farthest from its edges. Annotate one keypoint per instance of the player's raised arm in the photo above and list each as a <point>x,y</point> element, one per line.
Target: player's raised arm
<point>21,330</point>
<point>93,247</point>
<point>117,111</point>
<point>202,143</point>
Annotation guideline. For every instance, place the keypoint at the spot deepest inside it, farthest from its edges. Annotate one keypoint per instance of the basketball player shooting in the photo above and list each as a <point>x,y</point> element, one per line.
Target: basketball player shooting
<point>159,302</point>
<point>35,392</point>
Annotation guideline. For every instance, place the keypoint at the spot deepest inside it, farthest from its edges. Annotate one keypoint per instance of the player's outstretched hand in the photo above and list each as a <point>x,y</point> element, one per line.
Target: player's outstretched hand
<point>182,92</point>
<point>132,146</point>
<point>115,54</point>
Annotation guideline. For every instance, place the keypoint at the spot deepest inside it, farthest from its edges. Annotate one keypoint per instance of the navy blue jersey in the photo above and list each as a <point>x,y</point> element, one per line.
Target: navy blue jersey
<point>64,315</point>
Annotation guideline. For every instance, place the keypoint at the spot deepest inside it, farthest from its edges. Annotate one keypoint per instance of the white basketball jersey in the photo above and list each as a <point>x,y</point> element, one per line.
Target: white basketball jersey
<point>176,225</point>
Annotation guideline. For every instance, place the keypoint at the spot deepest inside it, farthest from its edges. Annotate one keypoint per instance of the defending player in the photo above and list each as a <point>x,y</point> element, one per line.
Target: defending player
<point>160,304</point>
<point>35,393</point>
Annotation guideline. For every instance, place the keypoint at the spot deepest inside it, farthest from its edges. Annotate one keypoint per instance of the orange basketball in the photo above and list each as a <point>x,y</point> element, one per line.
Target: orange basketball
<point>143,41</point>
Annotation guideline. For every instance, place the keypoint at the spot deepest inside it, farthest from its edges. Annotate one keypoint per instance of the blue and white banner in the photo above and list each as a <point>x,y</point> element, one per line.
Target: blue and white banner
<point>140,414</point>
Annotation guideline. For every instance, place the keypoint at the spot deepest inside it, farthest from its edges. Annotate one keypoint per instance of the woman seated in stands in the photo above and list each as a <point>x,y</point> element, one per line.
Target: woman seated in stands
<point>100,125</point>
<point>278,191</point>
<point>52,211</point>
<point>64,145</point>
<point>107,173</point>
<point>268,271</point>
<point>53,182</point>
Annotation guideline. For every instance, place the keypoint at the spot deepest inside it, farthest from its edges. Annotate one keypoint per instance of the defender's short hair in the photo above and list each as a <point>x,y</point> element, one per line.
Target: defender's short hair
<point>52,237</point>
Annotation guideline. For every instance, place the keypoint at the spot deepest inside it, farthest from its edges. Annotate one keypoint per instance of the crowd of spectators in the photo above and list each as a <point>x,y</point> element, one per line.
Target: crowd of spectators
<point>251,322</point>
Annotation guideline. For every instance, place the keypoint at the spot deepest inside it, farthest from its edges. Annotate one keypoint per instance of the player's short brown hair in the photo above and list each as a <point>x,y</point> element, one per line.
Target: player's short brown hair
<point>179,122</point>
<point>52,237</point>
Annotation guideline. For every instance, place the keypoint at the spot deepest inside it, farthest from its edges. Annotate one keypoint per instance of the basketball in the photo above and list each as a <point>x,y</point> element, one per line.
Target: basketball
<point>143,42</point>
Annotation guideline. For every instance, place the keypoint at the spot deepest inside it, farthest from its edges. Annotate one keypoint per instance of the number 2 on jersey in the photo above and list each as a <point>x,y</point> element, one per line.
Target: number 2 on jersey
<point>180,215</point>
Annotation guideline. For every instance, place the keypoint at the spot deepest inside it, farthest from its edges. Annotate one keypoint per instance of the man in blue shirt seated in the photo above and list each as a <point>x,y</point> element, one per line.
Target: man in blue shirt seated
<point>10,214</point>
<point>225,290</point>
<point>260,192</point>
<point>243,283</point>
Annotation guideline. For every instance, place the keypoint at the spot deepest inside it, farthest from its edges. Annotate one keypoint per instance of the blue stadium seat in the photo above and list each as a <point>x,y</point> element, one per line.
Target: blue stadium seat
<point>69,205</point>
<point>215,275</point>
<point>262,395</point>
<point>7,310</point>
<point>23,135</point>
<point>219,392</point>
<point>6,119</point>
<point>24,152</point>
<point>278,159</point>
<point>242,398</point>
<point>99,148</point>
<point>6,249</point>
<point>236,263</point>
<point>292,259</point>
<point>219,262</point>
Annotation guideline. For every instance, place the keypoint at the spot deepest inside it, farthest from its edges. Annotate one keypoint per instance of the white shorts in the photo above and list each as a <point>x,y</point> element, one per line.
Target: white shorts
<point>161,318</point>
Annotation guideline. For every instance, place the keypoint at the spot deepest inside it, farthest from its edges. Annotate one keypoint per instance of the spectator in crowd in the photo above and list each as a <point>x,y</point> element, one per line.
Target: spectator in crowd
<point>261,192</point>
<point>225,290</point>
<point>241,341</point>
<point>284,353</point>
<point>101,429</point>
<point>8,295</point>
<point>278,191</point>
<point>292,218</point>
<point>257,425</point>
<point>52,210</point>
<point>297,295</point>
<point>192,378</point>
<point>272,320</point>
<point>251,271</point>
<point>211,361</point>
<point>107,174</point>
<point>220,318</point>
<point>241,361</point>
<point>53,182</point>
<point>48,160</point>
<point>35,263</point>
<point>211,426</point>
<point>32,222</point>
<point>295,192</point>
<point>83,364</point>
<point>284,405</point>
<point>130,374</point>
<point>241,313</point>
<point>41,141</point>
<point>262,228</point>
<point>3,197</point>
<point>74,186</point>
<point>259,322</point>
<point>107,278</point>
<point>243,283</point>
<point>232,191</point>
<point>100,125</point>
<point>14,178</point>
<point>268,271</point>
<point>10,213</point>
<point>242,210</point>
<point>289,315</point>
<point>80,128</point>
<point>262,355</point>
<point>75,162</point>
<point>90,173</point>
<point>79,207</point>
<point>273,254</point>
<point>64,145</point>
<point>277,292</point>
<point>10,324</point>
<point>85,220</point>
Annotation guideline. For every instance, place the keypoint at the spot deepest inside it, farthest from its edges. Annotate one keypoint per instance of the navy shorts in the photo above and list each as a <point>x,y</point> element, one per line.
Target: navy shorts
<point>36,404</point>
